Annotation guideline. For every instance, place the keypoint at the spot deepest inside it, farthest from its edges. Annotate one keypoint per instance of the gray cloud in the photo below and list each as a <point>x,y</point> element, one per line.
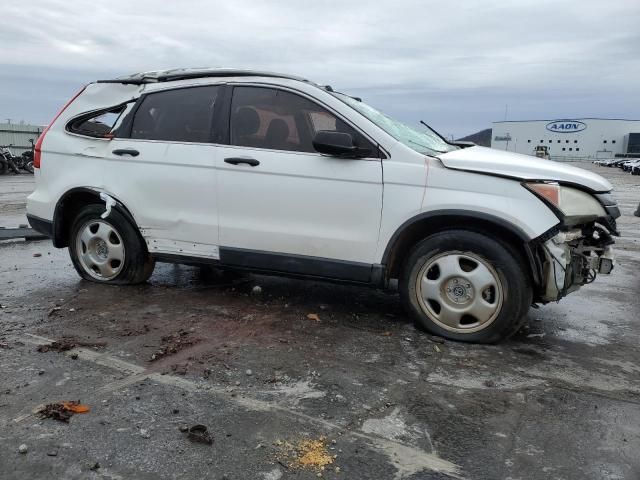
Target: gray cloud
<point>455,64</point>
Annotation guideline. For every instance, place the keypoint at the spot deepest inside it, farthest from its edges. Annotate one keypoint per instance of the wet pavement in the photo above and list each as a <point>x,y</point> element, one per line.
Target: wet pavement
<point>561,400</point>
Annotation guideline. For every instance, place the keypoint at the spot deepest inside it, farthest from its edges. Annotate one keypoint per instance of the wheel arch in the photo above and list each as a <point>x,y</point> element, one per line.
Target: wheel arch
<point>424,224</point>
<point>70,203</point>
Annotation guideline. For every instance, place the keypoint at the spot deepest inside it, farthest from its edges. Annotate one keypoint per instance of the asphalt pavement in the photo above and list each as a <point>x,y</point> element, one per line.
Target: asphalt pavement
<point>300,379</point>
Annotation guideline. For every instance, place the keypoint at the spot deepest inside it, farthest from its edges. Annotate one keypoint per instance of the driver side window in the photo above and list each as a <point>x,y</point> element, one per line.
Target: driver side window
<point>279,120</point>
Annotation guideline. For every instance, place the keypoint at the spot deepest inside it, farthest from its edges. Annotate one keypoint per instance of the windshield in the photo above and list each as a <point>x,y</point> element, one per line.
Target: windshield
<point>426,142</point>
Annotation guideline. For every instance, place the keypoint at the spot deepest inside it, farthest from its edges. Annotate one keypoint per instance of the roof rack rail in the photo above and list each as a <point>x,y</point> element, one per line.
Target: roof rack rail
<point>192,73</point>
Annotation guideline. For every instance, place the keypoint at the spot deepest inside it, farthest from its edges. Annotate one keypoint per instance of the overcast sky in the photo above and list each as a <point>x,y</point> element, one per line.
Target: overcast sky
<point>454,64</point>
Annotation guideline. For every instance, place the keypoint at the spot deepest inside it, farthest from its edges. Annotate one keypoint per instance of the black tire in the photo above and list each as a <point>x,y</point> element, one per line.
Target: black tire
<point>137,266</point>
<point>508,269</point>
<point>3,166</point>
<point>29,167</point>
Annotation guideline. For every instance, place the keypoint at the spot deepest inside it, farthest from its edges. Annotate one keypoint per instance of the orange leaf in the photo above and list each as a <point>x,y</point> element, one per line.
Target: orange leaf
<point>75,407</point>
<point>313,316</point>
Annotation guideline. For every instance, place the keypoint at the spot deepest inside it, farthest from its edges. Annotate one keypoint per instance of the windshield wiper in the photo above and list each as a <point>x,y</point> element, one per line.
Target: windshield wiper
<point>439,136</point>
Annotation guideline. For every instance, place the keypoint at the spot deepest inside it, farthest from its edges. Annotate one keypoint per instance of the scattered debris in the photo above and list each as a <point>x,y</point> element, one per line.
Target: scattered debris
<point>94,466</point>
<point>436,339</point>
<point>314,317</point>
<point>23,448</point>
<point>257,290</point>
<point>74,356</point>
<point>67,343</point>
<point>144,433</point>
<point>387,334</point>
<point>62,411</point>
<point>53,310</point>
<point>436,348</point>
<point>61,346</point>
<point>249,372</point>
<point>306,453</point>
<point>52,454</point>
<point>183,428</point>
<point>200,434</point>
<point>172,344</point>
<point>37,255</point>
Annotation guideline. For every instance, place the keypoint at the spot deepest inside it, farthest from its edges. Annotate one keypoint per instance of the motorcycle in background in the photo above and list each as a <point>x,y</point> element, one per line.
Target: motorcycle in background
<point>8,161</point>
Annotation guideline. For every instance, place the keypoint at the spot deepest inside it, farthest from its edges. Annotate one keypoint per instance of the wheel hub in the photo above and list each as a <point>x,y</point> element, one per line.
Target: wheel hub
<point>102,250</point>
<point>459,290</point>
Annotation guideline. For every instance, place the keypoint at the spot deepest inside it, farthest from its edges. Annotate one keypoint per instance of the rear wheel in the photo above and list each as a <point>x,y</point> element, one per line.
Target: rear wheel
<point>466,286</point>
<point>108,250</point>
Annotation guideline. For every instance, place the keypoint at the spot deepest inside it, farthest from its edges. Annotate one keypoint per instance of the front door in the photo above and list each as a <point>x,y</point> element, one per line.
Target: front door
<point>284,207</point>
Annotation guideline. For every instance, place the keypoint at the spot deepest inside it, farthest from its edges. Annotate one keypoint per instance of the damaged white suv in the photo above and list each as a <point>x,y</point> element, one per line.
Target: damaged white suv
<point>275,174</point>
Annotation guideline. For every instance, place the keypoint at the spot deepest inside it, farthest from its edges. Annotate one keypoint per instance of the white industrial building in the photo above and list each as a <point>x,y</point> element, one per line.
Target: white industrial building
<point>569,139</point>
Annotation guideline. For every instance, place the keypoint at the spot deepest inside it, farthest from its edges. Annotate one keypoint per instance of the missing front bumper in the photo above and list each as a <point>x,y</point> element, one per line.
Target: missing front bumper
<point>571,262</point>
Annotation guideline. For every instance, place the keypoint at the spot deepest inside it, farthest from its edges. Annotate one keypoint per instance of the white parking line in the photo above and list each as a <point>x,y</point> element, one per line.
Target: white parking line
<point>407,459</point>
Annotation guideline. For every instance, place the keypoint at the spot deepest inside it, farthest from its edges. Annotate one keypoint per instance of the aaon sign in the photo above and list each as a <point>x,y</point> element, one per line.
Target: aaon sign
<point>566,126</point>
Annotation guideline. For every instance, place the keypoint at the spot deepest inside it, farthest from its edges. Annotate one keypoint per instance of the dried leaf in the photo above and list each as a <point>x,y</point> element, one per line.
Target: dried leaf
<point>75,407</point>
<point>387,334</point>
<point>314,317</point>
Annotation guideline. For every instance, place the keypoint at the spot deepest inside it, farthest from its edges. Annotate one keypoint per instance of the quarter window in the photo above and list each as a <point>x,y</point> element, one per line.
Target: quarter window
<point>98,124</point>
<point>279,120</point>
<point>181,115</point>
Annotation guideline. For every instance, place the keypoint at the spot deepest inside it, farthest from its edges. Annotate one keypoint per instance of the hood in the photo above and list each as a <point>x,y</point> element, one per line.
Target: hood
<point>524,167</point>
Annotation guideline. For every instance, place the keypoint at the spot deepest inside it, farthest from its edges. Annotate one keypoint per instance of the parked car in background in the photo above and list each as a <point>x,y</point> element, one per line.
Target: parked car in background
<point>275,174</point>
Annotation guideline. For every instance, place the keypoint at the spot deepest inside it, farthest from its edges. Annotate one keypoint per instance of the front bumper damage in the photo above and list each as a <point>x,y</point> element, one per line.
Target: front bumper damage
<point>573,258</point>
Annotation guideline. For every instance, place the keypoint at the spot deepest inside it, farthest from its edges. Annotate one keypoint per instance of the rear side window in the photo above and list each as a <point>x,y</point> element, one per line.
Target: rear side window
<point>98,124</point>
<point>182,115</point>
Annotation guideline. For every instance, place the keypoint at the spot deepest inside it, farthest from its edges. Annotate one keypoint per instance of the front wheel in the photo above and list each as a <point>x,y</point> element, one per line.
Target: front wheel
<point>108,250</point>
<point>465,286</point>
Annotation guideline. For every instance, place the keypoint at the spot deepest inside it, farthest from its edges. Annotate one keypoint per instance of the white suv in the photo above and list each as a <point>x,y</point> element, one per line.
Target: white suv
<point>276,174</point>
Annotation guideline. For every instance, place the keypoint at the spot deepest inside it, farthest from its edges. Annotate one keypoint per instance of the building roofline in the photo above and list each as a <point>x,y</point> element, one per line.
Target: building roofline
<point>568,120</point>
<point>177,74</point>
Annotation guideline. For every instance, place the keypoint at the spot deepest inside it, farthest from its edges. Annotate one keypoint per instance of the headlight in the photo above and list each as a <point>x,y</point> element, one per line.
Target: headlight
<point>570,201</point>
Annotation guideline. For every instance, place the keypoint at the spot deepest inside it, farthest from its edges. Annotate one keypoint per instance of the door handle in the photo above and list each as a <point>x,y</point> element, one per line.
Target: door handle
<point>126,151</point>
<point>238,160</point>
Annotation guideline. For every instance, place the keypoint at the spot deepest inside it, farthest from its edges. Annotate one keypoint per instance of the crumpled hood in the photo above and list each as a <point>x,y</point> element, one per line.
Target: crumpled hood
<point>525,167</point>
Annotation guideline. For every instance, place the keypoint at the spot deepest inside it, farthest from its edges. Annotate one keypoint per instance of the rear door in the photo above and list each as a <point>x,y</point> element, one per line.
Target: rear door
<point>282,206</point>
<point>164,171</point>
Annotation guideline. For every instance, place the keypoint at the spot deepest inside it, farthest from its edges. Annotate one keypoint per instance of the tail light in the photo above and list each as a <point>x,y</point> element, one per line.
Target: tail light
<point>37,149</point>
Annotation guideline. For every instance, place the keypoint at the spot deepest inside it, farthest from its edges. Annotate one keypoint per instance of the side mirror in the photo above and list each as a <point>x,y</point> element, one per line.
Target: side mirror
<point>337,144</point>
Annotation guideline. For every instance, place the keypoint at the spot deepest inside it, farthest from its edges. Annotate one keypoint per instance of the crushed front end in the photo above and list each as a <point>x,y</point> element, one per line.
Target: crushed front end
<point>579,248</point>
